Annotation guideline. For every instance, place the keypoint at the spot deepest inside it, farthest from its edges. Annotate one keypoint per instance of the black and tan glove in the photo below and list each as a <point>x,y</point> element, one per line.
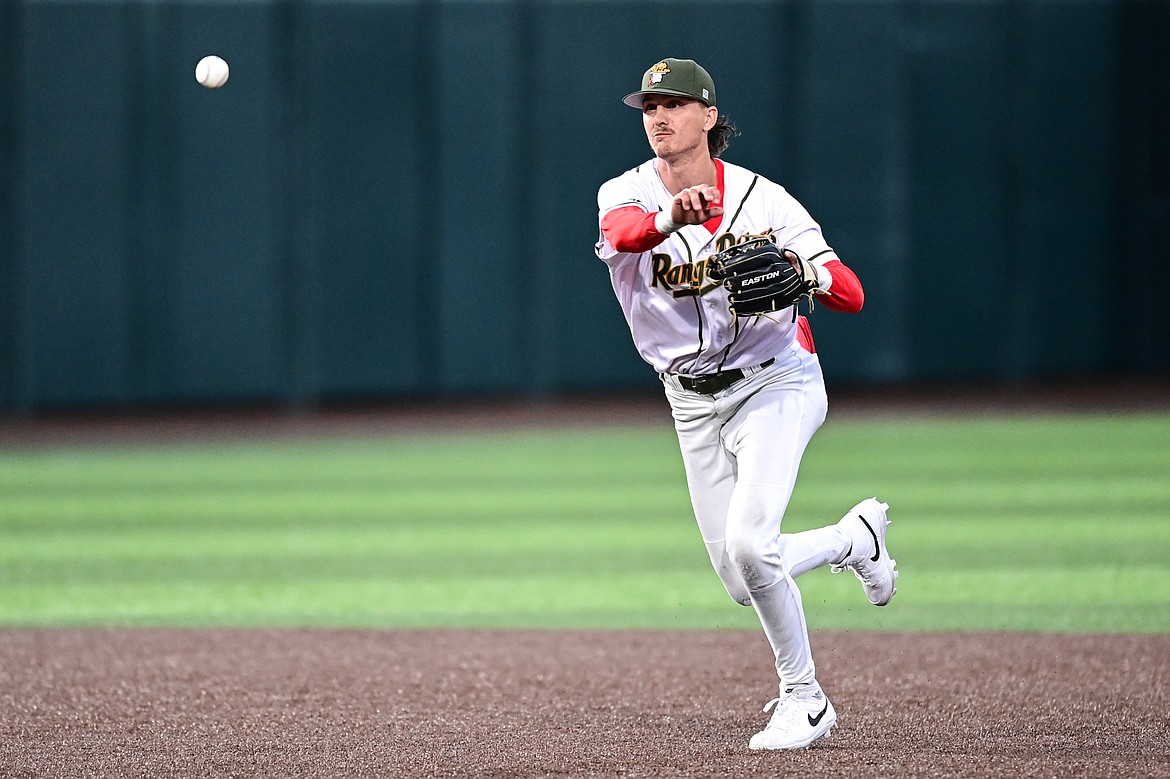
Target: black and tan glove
<point>761,278</point>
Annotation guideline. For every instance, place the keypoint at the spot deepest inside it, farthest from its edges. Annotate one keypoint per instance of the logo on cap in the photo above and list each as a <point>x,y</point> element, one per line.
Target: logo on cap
<point>686,79</point>
<point>656,73</point>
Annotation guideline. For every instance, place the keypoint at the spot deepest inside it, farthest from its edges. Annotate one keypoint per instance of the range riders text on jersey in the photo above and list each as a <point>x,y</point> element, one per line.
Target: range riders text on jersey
<point>690,278</point>
<point>679,318</point>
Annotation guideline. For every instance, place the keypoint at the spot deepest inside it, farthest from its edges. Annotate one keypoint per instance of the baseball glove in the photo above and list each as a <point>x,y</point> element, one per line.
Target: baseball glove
<point>761,278</point>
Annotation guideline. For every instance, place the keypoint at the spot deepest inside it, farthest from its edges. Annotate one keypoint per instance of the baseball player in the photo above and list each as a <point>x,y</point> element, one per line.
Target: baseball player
<point>746,391</point>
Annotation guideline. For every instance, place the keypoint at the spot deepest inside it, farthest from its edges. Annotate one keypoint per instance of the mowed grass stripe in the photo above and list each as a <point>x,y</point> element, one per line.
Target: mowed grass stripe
<point>1028,523</point>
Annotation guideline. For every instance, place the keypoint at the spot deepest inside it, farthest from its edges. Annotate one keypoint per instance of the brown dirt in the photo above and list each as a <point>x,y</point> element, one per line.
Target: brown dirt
<point>112,426</point>
<point>341,703</point>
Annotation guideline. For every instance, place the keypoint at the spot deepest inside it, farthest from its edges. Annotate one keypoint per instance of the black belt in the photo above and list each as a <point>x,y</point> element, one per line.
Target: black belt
<point>711,383</point>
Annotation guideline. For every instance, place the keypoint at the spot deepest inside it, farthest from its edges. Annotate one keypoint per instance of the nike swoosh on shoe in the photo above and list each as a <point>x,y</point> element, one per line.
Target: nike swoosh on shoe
<point>814,721</point>
<point>877,549</point>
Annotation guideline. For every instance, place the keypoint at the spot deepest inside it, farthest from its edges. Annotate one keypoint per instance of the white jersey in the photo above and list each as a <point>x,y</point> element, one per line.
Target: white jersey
<point>679,318</point>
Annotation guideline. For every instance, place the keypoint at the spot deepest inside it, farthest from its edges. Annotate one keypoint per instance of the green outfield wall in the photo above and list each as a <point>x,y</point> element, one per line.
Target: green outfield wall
<point>396,199</point>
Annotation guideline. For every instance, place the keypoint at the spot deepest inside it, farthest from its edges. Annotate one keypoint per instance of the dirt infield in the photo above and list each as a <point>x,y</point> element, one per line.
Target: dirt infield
<point>325,703</point>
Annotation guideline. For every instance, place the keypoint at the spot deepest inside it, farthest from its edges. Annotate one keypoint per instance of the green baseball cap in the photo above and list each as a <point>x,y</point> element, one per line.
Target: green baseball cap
<point>684,78</point>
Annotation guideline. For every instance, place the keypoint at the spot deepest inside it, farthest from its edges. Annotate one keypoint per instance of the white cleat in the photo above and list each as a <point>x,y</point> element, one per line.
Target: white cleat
<point>802,714</point>
<point>868,558</point>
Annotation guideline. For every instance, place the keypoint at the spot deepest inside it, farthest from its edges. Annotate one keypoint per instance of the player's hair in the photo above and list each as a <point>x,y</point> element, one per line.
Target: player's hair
<point>719,137</point>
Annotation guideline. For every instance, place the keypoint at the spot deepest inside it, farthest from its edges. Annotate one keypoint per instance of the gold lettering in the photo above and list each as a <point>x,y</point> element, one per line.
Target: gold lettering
<point>727,240</point>
<point>684,280</point>
<point>661,266</point>
<point>700,273</point>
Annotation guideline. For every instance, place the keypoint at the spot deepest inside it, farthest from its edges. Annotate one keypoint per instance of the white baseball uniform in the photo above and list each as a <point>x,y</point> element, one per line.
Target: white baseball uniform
<point>742,443</point>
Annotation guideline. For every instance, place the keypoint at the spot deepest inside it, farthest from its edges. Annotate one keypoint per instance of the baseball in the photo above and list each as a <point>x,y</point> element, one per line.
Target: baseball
<point>211,72</point>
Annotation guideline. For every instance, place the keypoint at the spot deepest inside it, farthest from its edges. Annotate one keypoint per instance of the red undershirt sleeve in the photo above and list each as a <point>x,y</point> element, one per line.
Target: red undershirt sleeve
<point>630,229</point>
<point>845,293</point>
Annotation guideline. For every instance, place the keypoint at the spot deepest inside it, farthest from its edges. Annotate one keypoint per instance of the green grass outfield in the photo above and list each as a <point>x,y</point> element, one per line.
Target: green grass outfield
<point>1055,523</point>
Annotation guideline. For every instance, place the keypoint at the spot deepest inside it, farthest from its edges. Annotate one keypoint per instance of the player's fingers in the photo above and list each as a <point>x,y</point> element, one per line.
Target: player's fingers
<point>699,195</point>
<point>695,205</point>
<point>684,208</point>
<point>708,196</point>
<point>691,199</point>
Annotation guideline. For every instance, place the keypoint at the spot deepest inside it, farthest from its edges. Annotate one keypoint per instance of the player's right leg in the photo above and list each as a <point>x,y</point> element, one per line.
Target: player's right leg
<point>768,421</point>
<point>710,473</point>
<point>801,715</point>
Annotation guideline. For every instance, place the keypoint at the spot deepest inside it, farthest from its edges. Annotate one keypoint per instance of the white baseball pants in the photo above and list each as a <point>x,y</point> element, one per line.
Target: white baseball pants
<point>741,449</point>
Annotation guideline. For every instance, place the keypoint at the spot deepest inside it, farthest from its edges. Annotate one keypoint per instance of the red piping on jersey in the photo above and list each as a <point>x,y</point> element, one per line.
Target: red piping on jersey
<point>804,334</point>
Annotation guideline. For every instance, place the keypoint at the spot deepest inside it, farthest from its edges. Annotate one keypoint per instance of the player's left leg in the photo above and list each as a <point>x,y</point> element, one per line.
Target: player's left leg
<point>814,548</point>
<point>856,542</point>
<point>867,556</point>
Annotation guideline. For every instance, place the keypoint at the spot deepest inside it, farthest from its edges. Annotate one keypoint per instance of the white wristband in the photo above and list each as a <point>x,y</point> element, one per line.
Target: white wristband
<point>664,224</point>
<point>823,277</point>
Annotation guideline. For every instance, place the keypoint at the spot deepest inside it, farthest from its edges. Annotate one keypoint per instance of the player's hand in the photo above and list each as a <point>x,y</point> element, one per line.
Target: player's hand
<point>695,205</point>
